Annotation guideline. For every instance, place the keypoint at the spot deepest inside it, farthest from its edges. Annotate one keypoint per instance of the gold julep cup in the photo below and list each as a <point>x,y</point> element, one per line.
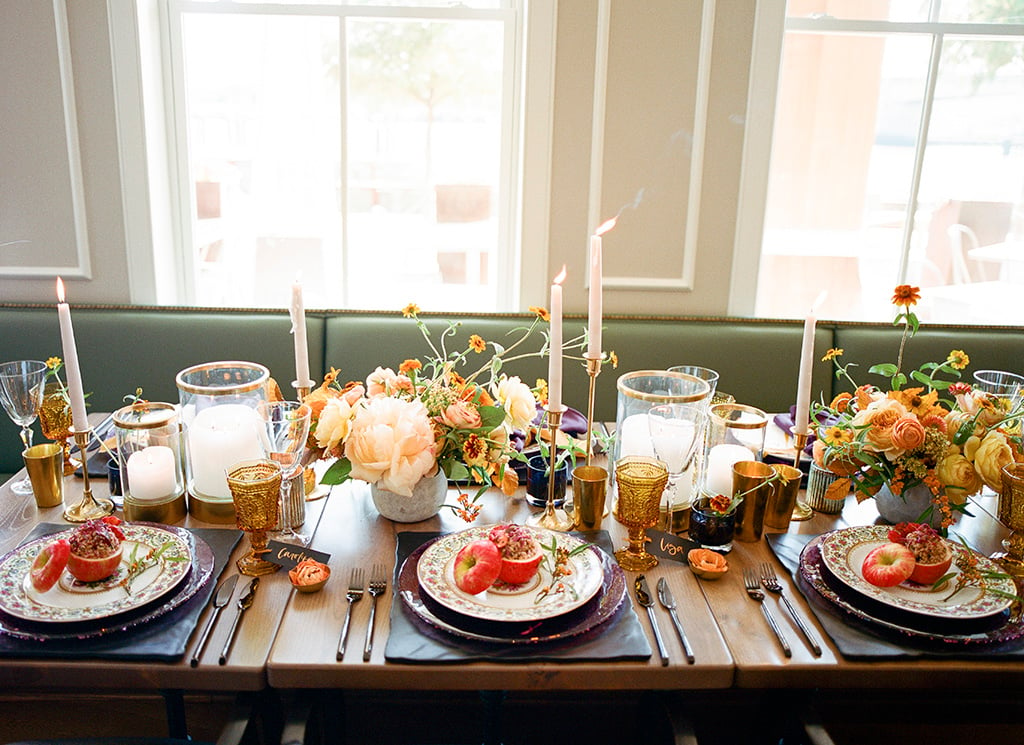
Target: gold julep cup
<point>639,481</point>
<point>1011,514</point>
<point>750,478</point>
<point>589,492</point>
<point>255,486</point>
<point>45,466</point>
<point>782,496</point>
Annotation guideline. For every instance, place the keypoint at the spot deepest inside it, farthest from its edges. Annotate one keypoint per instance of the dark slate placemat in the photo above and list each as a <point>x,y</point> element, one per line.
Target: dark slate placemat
<point>163,639</point>
<point>859,639</point>
<point>413,640</point>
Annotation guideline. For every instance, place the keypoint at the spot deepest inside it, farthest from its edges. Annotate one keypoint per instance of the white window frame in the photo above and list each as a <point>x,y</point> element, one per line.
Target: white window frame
<point>156,199</point>
<point>770,27</point>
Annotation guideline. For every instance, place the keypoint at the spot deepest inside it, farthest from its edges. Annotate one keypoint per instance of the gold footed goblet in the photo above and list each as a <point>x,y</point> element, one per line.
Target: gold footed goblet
<point>255,487</point>
<point>89,508</point>
<point>1011,514</point>
<point>640,482</point>
<point>55,421</point>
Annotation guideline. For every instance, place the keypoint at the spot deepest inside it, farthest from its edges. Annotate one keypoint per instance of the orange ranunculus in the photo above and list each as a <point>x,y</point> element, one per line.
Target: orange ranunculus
<point>907,433</point>
<point>841,402</point>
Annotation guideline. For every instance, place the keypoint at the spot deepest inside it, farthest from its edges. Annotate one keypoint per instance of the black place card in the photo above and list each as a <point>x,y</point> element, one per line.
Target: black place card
<point>668,546</point>
<point>289,555</point>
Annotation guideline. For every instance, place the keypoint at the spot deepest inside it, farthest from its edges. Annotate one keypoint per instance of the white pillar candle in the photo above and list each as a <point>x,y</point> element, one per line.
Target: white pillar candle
<point>803,395</point>
<point>152,474</point>
<point>218,438</point>
<point>297,311</point>
<point>555,359</point>
<point>635,436</point>
<point>79,416</point>
<point>719,467</point>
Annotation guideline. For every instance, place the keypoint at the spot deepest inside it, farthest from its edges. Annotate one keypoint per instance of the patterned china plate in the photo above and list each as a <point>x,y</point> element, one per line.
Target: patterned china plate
<point>843,552</point>
<point>70,601</point>
<point>436,574</point>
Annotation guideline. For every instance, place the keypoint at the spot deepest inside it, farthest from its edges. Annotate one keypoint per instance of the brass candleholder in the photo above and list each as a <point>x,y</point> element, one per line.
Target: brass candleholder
<point>89,508</point>
<point>800,510</point>
<point>552,518</point>
<point>310,489</point>
<point>1011,514</point>
<point>640,481</point>
<point>255,487</point>
<point>593,370</point>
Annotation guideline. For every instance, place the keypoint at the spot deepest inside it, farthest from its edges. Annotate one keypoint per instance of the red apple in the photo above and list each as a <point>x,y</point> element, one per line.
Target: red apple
<point>86,569</point>
<point>477,565</point>
<point>888,565</point>
<point>49,565</point>
<point>519,571</point>
<point>927,574</point>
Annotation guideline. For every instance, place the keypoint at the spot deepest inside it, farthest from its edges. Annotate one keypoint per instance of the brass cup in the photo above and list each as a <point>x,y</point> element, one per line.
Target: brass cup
<point>782,497</point>
<point>255,486</point>
<point>45,466</point>
<point>640,482</point>
<point>751,476</point>
<point>589,492</point>
<point>1011,514</point>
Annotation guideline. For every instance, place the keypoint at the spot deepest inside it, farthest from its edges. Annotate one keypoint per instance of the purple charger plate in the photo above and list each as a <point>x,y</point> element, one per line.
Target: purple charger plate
<point>578,621</point>
<point>198,575</point>
<point>815,576</point>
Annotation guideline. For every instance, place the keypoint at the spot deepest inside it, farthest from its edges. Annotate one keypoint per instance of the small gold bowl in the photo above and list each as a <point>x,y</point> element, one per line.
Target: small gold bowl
<point>315,587</point>
<point>304,570</point>
<point>707,564</point>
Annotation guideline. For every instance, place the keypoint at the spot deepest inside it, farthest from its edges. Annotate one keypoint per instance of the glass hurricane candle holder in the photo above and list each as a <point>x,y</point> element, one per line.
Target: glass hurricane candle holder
<point>735,432</point>
<point>218,413</point>
<point>640,482</point>
<point>255,489</point>
<point>149,461</point>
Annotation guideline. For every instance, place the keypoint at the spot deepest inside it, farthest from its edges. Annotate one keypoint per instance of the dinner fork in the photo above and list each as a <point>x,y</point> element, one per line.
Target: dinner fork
<point>753,587</point>
<point>353,596</point>
<point>378,584</point>
<point>772,584</point>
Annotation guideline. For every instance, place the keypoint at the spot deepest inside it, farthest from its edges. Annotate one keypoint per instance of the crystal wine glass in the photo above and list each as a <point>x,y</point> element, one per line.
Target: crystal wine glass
<point>21,392</point>
<point>675,430</point>
<point>285,428</point>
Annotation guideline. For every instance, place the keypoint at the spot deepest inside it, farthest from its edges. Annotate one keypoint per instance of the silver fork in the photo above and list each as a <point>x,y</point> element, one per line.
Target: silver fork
<point>771,584</point>
<point>353,596</point>
<point>378,584</point>
<point>753,587</point>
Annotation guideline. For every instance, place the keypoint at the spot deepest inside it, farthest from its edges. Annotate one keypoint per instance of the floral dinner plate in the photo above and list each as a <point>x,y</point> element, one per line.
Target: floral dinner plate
<point>531,602</point>
<point>70,601</point>
<point>843,552</point>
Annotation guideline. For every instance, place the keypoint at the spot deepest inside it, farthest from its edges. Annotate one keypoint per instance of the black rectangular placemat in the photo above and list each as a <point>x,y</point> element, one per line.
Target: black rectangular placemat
<point>163,639</point>
<point>857,639</point>
<point>412,640</point>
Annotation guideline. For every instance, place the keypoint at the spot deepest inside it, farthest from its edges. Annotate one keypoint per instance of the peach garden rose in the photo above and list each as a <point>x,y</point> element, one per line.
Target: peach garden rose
<point>391,443</point>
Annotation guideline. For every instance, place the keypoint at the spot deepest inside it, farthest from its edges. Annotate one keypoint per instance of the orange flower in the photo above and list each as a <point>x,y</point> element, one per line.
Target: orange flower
<point>917,404</point>
<point>542,313</point>
<point>958,359</point>
<point>475,450</point>
<point>614,358</point>
<point>907,433</point>
<point>906,295</point>
<point>832,354</point>
<point>841,402</point>
<point>409,365</point>
<point>477,344</point>
<point>411,310</point>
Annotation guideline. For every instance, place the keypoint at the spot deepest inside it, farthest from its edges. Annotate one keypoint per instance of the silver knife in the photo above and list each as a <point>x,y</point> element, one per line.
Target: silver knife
<point>643,596</point>
<point>244,603</point>
<point>667,600</point>
<point>222,598</point>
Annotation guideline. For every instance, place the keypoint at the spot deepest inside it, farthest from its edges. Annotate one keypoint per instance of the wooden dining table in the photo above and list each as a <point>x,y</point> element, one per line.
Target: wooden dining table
<point>289,640</point>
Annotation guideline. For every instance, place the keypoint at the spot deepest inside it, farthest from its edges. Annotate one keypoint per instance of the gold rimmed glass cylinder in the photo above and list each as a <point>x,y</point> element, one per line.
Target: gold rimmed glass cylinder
<point>149,459</point>
<point>255,487</point>
<point>640,482</point>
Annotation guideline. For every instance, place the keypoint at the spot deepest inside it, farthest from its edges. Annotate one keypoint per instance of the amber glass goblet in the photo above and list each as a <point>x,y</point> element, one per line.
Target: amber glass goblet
<point>55,421</point>
<point>255,487</point>
<point>1011,514</point>
<point>640,481</point>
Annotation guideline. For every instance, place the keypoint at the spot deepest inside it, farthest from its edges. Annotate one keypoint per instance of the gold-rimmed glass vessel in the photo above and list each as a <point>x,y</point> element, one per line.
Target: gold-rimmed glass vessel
<point>640,482</point>
<point>255,489</point>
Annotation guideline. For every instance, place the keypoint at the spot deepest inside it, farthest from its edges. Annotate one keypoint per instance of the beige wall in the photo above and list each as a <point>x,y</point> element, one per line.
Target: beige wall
<point>652,66</point>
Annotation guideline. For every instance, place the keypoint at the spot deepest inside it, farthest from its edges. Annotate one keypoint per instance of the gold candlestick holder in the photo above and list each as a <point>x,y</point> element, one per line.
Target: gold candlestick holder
<point>552,518</point>
<point>801,511</point>
<point>593,370</point>
<point>89,508</point>
<point>303,389</point>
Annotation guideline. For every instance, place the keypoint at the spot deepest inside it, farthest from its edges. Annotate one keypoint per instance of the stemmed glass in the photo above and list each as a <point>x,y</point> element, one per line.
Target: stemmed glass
<point>21,392</point>
<point>285,428</point>
<point>675,430</point>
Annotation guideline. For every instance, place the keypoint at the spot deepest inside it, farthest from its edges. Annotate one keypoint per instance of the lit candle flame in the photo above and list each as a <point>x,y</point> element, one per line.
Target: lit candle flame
<point>561,276</point>
<point>60,290</point>
<point>606,226</point>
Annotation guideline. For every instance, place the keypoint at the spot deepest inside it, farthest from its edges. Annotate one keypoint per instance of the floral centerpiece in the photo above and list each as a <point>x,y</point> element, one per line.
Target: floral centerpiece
<point>396,428</point>
<point>937,434</point>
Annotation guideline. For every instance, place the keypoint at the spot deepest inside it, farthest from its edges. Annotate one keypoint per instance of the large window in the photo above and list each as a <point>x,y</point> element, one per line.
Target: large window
<point>898,156</point>
<point>370,148</point>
